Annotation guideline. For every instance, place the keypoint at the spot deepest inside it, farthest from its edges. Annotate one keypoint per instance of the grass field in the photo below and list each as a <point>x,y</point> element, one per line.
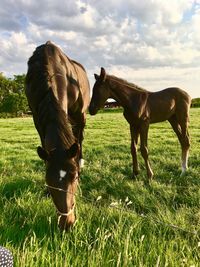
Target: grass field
<point>161,227</point>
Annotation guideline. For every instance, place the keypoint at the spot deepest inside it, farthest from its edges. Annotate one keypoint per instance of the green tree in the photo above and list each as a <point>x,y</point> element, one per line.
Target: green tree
<point>12,95</point>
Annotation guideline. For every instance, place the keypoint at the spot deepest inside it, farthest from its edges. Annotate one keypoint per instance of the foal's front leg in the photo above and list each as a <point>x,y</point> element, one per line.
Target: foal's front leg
<point>143,147</point>
<point>134,140</point>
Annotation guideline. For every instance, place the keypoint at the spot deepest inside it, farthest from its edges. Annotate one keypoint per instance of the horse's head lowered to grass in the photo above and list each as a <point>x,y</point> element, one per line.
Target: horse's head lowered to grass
<point>62,176</point>
<point>57,90</point>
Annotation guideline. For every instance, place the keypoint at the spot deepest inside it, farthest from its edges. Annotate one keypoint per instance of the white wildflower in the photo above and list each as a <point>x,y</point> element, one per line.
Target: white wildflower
<point>129,203</point>
<point>114,204</point>
<point>127,199</point>
<point>99,198</point>
<point>142,238</point>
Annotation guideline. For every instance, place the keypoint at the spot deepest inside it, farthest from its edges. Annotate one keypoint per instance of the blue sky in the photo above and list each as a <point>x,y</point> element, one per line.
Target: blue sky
<point>153,43</point>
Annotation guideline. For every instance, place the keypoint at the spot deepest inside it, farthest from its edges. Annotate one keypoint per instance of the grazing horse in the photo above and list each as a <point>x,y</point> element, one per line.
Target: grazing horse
<point>58,94</point>
<point>141,108</point>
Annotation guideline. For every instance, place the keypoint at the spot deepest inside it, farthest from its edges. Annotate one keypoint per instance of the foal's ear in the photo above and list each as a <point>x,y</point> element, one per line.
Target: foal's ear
<point>42,153</point>
<point>72,152</point>
<point>103,74</point>
<point>96,76</point>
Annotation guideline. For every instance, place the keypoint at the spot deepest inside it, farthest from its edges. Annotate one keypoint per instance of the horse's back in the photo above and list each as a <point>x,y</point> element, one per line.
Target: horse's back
<point>171,94</point>
<point>163,104</point>
<point>83,83</point>
<point>51,67</point>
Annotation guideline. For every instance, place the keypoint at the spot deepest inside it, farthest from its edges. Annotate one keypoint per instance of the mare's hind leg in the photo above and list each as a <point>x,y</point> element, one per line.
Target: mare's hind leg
<point>134,140</point>
<point>181,129</point>
<point>143,147</point>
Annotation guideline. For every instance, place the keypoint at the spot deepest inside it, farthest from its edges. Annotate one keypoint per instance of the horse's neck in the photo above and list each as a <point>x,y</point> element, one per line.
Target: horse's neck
<point>51,140</point>
<point>56,138</point>
<point>121,92</point>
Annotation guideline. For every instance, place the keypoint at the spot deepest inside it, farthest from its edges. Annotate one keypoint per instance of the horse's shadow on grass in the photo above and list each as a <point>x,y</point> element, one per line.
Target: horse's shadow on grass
<point>17,186</point>
<point>19,217</point>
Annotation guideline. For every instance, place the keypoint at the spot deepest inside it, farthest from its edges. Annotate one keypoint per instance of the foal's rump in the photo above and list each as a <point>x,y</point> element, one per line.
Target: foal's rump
<point>168,102</point>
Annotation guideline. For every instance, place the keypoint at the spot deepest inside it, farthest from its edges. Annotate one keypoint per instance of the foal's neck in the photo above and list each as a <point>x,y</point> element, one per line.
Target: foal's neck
<point>122,91</point>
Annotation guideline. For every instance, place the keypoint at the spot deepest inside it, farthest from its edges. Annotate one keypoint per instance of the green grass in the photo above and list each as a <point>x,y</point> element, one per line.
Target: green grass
<point>140,234</point>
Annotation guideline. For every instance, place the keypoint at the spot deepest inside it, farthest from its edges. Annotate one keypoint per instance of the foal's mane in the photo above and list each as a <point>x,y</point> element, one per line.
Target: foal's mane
<point>123,82</point>
<point>48,109</point>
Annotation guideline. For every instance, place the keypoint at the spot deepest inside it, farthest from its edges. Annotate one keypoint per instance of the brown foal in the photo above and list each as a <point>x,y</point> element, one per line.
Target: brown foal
<point>142,108</point>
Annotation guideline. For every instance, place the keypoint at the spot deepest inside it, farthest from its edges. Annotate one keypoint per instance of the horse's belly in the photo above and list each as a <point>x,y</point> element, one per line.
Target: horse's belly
<point>162,114</point>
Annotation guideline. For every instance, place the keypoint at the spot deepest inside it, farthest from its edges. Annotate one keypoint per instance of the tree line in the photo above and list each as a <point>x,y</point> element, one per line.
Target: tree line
<point>13,100</point>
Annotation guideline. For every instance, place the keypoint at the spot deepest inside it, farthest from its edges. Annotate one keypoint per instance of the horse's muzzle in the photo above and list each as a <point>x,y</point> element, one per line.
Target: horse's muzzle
<point>65,223</point>
<point>92,110</point>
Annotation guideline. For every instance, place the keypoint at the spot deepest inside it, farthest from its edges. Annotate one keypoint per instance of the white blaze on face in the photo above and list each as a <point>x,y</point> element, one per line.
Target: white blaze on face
<point>62,174</point>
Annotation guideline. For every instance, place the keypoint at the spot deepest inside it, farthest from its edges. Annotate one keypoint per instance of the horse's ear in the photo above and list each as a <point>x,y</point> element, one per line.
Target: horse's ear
<point>96,76</point>
<point>72,152</point>
<point>103,74</point>
<point>42,153</point>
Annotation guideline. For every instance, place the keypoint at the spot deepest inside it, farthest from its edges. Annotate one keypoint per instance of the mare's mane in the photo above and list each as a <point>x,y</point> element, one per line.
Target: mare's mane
<point>48,108</point>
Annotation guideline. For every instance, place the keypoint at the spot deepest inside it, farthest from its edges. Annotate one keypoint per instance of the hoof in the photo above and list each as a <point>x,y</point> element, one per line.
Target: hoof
<point>134,175</point>
<point>183,173</point>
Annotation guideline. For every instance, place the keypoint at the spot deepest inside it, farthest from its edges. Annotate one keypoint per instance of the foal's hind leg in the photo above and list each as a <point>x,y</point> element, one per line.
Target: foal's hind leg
<point>181,130</point>
<point>143,147</point>
<point>134,140</point>
<point>185,146</point>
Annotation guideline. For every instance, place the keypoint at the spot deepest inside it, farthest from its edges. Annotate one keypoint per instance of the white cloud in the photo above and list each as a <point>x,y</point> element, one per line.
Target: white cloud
<point>155,37</point>
<point>155,79</point>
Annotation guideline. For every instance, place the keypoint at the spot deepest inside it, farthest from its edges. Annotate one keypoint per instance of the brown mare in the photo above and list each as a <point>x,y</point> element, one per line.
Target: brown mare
<point>141,108</point>
<point>58,94</point>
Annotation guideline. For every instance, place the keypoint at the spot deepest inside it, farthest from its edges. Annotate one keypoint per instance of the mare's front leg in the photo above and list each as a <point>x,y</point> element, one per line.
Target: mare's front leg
<point>81,137</point>
<point>78,130</point>
<point>134,141</point>
<point>143,147</point>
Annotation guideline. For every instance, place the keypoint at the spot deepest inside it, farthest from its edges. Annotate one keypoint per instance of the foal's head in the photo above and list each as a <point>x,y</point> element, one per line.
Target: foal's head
<point>100,92</point>
<point>62,179</point>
